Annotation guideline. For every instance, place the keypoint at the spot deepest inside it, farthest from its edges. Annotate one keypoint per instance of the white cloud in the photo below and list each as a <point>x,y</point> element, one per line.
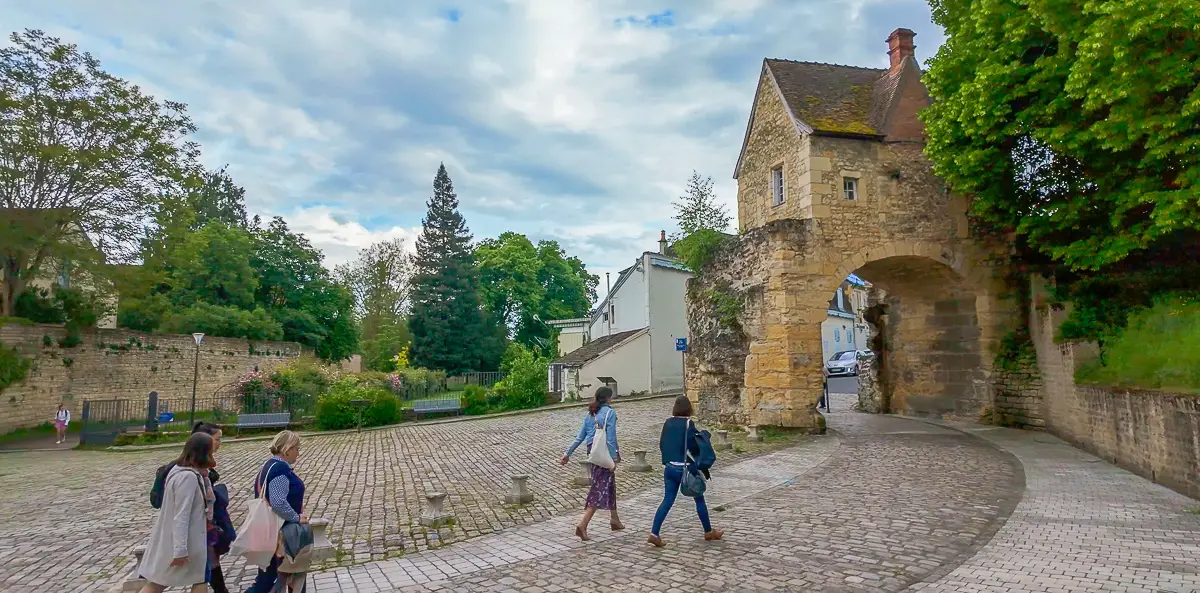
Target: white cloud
<point>578,121</point>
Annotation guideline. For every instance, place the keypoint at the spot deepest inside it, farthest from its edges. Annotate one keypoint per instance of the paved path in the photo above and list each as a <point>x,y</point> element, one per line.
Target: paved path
<point>86,511</point>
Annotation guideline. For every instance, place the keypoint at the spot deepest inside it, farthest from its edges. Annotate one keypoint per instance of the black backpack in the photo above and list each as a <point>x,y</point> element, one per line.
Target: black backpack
<point>160,484</point>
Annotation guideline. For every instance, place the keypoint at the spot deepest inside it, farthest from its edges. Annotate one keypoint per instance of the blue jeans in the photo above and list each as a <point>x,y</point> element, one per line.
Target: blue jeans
<point>672,476</point>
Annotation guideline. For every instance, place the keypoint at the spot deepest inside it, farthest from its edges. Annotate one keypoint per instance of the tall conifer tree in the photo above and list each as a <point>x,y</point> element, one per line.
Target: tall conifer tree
<point>446,318</point>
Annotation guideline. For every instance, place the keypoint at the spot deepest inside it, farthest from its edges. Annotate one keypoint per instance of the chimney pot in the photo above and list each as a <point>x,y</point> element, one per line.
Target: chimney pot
<point>900,46</point>
<point>662,242</point>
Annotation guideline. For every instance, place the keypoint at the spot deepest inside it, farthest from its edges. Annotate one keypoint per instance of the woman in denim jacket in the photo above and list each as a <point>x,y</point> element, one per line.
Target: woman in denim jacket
<point>603,493</point>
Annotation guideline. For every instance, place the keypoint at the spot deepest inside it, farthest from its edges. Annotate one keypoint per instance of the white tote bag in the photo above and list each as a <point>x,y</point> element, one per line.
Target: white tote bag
<point>599,454</point>
<point>258,536</point>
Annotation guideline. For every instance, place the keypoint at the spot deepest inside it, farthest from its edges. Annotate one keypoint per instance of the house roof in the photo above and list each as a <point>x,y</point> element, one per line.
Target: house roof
<point>595,348</point>
<point>833,99</point>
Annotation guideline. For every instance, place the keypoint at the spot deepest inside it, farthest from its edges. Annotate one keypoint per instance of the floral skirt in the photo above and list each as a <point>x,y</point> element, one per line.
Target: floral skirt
<point>603,494</point>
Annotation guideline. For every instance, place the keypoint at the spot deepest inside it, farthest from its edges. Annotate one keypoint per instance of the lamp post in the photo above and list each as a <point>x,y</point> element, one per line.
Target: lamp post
<point>199,337</point>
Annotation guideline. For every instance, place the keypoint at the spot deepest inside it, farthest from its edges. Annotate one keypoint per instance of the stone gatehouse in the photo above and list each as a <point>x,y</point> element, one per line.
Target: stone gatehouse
<point>832,181</point>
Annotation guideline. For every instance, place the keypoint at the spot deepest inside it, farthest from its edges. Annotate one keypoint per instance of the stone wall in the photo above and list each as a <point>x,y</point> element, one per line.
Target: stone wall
<point>112,363</point>
<point>1153,434</point>
<point>1017,397</point>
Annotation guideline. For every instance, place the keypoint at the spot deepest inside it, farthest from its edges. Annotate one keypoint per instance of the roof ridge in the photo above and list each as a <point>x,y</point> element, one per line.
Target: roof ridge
<point>827,64</point>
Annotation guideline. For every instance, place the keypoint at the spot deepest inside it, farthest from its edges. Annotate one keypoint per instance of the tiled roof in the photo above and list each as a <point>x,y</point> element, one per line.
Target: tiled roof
<point>836,98</point>
<point>595,348</point>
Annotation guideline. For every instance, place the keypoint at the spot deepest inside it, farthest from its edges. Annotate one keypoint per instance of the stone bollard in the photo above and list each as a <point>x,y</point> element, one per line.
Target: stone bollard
<point>519,494</point>
<point>322,548</point>
<point>434,515</point>
<point>133,582</point>
<point>752,434</point>
<point>722,443</point>
<point>639,462</point>
<point>584,478</point>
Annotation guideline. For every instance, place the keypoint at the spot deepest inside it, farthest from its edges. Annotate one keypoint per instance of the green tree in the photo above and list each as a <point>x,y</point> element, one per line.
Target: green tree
<point>1074,126</point>
<point>82,155</point>
<point>214,196</point>
<point>379,280</point>
<point>379,351</point>
<point>213,265</point>
<point>447,320</point>
<point>524,286</point>
<point>698,208</point>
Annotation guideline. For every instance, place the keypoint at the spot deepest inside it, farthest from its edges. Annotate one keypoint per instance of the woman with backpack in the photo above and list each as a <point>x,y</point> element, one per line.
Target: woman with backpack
<point>177,553</point>
<point>603,493</point>
<point>677,441</point>
<point>221,531</point>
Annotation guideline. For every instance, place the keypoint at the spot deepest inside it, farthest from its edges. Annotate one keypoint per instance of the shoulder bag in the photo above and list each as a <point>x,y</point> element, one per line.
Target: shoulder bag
<point>692,484</point>
<point>599,455</point>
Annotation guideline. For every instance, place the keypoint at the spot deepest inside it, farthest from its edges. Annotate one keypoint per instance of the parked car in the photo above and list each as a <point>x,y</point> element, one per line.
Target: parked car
<point>842,364</point>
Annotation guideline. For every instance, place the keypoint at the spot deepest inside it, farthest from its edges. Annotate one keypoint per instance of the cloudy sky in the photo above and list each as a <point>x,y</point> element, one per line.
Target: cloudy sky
<point>575,120</point>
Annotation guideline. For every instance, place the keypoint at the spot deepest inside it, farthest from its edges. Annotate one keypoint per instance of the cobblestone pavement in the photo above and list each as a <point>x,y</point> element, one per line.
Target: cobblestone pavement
<point>69,520</point>
<point>880,505</point>
<point>1084,525</point>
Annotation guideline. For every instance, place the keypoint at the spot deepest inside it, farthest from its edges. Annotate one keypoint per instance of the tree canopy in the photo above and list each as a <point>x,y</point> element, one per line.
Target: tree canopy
<point>1076,128</point>
<point>698,208</point>
<point>524,286</point>
<point>82,155</point>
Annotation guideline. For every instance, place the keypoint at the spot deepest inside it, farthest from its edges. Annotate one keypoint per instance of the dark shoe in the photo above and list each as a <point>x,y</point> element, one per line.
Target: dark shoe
<point>616,526</point>
<point>713,535</point>
<point>656,541</point>
<point>581,533</point>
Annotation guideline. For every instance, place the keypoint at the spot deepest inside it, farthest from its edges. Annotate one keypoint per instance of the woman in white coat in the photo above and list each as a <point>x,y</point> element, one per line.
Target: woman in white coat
<point>178,548</point>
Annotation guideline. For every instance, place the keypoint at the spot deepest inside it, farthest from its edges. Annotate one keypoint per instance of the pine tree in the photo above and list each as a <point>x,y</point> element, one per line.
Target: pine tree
<point>446,317</point>
<point>699,209</point>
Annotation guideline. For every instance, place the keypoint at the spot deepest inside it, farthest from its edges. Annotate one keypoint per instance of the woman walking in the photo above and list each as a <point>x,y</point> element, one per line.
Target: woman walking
<point>61,419</point>
<point>603,493</point>
<point>177,553</point>
<point>676,441</point>
<point>285,492</point>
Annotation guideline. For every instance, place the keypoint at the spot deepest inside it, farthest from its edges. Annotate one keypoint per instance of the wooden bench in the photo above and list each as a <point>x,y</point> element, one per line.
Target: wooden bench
<point>269,420</point>
<point>437,406</point>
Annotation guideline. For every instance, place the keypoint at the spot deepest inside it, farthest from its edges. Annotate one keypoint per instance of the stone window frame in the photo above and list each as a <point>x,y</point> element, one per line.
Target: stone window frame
<point>856,176</point>
<point>782,186</point>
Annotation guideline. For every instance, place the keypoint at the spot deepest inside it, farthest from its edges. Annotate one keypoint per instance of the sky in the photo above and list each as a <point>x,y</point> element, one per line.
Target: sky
<point>573,120</point>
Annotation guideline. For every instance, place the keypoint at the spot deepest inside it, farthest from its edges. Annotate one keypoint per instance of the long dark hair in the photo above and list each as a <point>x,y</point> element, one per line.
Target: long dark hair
<point>197,451</point>
<point>601,399</point>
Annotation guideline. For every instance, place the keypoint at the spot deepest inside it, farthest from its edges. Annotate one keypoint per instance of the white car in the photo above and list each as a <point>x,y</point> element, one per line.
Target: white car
<point>842,364</point>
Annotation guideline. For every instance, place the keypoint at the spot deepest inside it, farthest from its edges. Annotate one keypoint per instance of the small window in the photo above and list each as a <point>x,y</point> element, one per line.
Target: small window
<point>777,196</point>
<point>837,335</point>
<point>612,314</point>
<point>850,188</point>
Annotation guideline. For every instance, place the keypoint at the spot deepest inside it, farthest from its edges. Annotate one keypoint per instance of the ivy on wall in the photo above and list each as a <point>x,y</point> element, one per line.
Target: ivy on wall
<point>13,367</point>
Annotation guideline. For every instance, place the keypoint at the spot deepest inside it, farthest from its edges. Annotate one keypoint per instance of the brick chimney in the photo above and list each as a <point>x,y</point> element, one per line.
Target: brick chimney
<point>900,46</point>
<point>662,242</point>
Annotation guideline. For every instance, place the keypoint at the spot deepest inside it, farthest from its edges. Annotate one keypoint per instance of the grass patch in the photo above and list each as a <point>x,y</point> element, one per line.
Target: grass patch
<point>1158,349</point>
<point>1192,510</point>
<point>42,430</point>
<point>408,403</point>
<point>16,320</point>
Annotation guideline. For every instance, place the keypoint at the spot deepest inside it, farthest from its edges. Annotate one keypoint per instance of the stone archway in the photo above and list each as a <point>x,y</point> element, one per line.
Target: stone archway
<point>940,323</point>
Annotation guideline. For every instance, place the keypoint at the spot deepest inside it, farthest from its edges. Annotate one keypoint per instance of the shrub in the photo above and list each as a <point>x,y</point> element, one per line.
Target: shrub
<point>303,375</point>
<point>13,367</point>
<point>698,248</point>
<point>475,400</point>
<point>415,383</point>
<point>524,386</point>
<point>1159,348</point>
<point>225,322</point>
<point>335,410</point>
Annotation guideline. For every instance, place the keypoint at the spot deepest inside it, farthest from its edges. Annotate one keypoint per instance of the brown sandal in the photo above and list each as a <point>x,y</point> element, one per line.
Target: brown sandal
<point>714,535</point>
<point>657,541</point>
<point>581,533</point>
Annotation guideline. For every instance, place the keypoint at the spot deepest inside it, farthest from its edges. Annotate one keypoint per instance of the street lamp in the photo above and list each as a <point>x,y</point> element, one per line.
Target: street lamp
<point>199,337</point>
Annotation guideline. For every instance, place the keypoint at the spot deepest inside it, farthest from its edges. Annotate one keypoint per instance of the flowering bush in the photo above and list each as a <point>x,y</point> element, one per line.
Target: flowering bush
<point>401,359</point>
<point>335,410</point>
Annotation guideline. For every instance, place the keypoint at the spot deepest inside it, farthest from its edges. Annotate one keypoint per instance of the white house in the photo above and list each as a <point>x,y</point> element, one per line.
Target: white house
<point>632,333</point>
<point>572,333</point>
<point>844,327</point>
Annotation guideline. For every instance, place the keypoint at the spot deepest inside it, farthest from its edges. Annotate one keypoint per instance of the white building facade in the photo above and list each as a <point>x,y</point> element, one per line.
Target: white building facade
<point>631,336</point>
<point>844,327</point>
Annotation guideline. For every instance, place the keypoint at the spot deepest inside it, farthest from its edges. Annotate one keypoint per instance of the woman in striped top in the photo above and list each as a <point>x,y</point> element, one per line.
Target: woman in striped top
<point>284,491</point>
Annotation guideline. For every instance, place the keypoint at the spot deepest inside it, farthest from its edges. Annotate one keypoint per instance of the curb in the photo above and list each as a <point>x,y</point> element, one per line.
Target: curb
<point>552,407</point>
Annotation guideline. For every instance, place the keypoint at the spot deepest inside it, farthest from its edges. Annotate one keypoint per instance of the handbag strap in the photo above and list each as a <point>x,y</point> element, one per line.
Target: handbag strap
<point>262,475</point>
<point>685,444</point>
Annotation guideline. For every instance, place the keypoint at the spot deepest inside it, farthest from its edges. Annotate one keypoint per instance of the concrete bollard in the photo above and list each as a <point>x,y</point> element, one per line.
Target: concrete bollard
<point>133,582</point>
<point>434,515</point>
<point>752,434</point>
<point>322,548</point>
<point>584,478</point>
<point>722,443</point>
<point>519,494</point>
<point>639,462</point>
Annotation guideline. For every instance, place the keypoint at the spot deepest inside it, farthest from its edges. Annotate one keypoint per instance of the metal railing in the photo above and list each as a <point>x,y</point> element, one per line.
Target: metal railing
<point>482,379</point>
<point>102,420</point>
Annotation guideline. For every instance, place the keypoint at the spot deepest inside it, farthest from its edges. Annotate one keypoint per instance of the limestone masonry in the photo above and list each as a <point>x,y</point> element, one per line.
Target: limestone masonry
<point>121,364</point>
